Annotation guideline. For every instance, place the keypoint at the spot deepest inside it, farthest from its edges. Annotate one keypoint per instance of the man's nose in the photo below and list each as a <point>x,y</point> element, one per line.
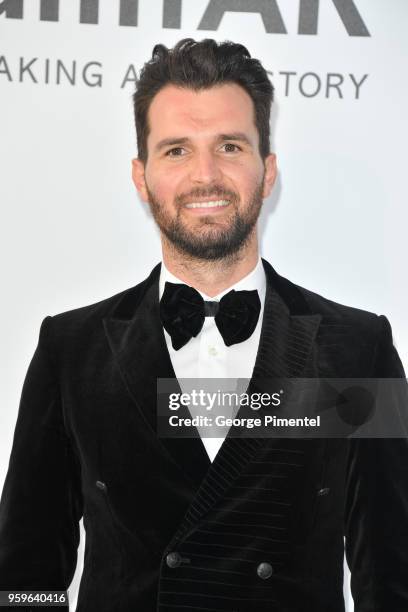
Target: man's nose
<point>205,168</point>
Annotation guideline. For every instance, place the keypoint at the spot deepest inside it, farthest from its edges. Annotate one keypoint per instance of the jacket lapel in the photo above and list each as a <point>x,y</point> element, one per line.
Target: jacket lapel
<point>137,341</point>
<point>289,328</point>
<point>287,349</point>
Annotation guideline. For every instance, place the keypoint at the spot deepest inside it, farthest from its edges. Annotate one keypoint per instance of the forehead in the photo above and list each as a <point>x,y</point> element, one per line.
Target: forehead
<point>184,112</point>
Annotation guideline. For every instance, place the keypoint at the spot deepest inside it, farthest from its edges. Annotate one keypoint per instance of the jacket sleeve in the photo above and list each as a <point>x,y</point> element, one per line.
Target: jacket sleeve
<point>41,502</point>
<point>376,512</point>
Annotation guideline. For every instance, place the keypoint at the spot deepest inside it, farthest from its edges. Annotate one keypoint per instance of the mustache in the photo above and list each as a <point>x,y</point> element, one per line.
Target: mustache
<point>215,190</point>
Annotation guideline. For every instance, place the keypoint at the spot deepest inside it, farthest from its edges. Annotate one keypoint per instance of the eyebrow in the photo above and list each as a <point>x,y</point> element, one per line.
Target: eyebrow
<point>238,136</point>
<point>171,142</point>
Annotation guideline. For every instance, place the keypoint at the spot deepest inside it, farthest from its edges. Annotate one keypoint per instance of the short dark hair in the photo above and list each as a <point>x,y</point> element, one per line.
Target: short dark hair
<point>201,65</point>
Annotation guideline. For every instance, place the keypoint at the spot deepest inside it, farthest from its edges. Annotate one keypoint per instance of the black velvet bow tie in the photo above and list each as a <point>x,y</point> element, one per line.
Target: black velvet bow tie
<point>183,310</point>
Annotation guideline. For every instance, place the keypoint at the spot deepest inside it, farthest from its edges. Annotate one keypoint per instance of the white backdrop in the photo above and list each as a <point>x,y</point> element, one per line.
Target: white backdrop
<point>73,230</point>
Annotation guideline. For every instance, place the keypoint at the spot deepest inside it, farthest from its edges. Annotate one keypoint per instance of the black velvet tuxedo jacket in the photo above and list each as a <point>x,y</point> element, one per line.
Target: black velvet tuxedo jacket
<point>85,444</point>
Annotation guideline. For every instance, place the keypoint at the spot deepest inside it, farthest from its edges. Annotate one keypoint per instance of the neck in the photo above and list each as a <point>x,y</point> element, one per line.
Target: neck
<point>211,277</point>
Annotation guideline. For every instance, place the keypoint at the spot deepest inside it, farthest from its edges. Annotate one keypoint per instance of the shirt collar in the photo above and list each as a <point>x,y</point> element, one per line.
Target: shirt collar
<point>256,279</point>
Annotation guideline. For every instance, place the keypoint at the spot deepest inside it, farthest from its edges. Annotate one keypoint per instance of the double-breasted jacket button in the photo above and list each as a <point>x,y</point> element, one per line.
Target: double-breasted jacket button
<point>264,570</point>
<point>324,491</point>
<point>101,485</point>
<point>173,559</point>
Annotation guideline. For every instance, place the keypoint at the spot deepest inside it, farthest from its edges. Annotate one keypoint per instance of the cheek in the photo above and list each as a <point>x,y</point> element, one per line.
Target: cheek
<point>245,170</point>
<point>163,184</point>
<point>247,179</point>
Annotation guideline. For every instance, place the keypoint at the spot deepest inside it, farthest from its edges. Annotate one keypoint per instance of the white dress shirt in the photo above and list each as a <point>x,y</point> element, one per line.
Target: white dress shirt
<point>206,355</point>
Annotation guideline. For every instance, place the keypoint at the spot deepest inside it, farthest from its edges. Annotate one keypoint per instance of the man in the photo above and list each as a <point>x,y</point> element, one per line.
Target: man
<point>245,524</point>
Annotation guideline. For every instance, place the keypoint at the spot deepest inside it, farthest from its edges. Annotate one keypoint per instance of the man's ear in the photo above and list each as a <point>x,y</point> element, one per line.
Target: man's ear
<point>138,176</point>
<point>270,174</point>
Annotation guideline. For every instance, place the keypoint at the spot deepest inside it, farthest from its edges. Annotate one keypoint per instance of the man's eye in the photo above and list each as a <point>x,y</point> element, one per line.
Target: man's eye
<point>229,147</point>
<point>176,152</point>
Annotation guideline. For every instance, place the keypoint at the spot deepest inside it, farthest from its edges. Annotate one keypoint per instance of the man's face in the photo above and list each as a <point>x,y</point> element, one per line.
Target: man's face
<point>204,177</point>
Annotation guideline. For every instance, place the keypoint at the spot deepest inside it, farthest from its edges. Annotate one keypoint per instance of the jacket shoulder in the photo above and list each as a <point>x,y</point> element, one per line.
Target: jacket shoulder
<point>368,335</point>
<point>302,301</point>
<point>319,304</point>
<point>89,317</point>
<point>90,312</point>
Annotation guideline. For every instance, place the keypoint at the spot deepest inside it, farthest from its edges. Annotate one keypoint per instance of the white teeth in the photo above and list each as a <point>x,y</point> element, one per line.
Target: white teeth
<point>207,204</point>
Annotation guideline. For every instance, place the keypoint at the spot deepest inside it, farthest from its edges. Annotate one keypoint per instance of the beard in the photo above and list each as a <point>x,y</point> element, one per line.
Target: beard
<point>208,239</point>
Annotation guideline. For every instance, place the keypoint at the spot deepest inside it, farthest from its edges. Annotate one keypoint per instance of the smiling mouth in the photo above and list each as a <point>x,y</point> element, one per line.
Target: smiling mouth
<point>212,204</point>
